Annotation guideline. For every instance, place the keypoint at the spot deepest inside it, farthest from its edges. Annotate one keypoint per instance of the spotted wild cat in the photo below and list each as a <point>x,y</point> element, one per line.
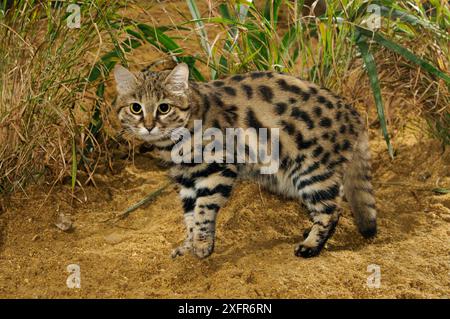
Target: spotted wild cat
<point>322,146</point>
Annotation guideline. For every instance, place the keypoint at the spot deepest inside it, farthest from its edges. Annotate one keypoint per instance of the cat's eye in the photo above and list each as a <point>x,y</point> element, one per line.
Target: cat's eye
<point>164,108</point>
<point>136,108</point>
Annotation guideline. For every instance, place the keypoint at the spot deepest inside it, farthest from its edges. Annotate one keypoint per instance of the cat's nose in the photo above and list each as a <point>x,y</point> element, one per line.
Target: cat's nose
<point>153,130</point>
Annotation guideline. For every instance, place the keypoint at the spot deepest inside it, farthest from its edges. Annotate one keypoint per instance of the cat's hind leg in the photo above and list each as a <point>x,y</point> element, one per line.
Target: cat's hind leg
<point>322,197</point>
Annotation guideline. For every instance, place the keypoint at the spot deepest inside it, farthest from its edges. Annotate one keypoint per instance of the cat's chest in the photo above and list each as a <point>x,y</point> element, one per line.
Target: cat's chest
<point>163,150</point>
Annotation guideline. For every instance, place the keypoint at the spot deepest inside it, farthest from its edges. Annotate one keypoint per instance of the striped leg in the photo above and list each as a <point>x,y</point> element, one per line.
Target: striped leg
<point>323,202</point>
<point>188,197</point>
<point>205,226</point>
<point>204,189</point>
<point>212,192</point>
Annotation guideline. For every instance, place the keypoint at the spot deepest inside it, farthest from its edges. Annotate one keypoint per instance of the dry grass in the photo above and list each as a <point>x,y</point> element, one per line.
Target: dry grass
<point>412,98</point>
<point>423,96</point>
<point>45,99</point>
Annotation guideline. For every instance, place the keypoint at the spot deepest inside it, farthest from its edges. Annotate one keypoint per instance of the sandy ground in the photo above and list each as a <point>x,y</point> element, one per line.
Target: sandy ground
<point>256,236</point>
<point>257,232</point>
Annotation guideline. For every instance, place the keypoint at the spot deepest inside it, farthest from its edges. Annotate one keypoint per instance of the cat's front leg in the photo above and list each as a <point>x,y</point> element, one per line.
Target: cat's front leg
<point>212,193</point>
<point>204,227</point>
<point>188,198</point>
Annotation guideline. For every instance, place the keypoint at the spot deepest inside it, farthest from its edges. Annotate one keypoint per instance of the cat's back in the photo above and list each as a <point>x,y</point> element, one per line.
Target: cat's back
<point>268,99</point>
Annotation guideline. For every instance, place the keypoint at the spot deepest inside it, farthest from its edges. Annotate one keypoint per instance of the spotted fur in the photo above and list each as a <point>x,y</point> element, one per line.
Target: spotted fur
<point>324,151</point>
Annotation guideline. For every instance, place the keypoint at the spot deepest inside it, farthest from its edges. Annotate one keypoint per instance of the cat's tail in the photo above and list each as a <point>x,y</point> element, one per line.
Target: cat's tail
<point>358,187</point>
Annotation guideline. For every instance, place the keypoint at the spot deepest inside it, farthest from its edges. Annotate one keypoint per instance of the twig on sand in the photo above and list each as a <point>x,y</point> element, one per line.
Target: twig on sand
<point>260,195</point>
<point>436,190</point>
<point>142,202</point>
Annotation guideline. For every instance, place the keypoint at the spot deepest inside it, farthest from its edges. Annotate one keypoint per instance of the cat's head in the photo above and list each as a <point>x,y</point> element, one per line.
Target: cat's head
<point>150,106</point>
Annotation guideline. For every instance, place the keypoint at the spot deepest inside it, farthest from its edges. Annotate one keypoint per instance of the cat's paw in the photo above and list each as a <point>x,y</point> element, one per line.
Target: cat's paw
<point>203,248</point>
<point>306,252</point>
<point>183,249</point>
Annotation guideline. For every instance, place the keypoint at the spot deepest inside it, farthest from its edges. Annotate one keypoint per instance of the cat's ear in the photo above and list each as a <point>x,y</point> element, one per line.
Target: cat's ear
<point>125,80</point>
<point>177,80</point>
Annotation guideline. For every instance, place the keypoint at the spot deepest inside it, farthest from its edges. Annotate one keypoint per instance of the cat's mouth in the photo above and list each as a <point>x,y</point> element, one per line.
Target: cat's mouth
<point>152,134</point>
<point>147,135</point>
<point>154,131</point>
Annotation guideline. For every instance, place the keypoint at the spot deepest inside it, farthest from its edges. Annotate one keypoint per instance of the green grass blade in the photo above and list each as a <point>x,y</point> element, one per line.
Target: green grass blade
<point>242,9</point>
<point>271,10</point>
<point>377,37</point>
<point>224,11</point>
<point>195,13</point>
<point>388,11</point>
<point>108,60</point>
<point>230,44</point>
<point>441,191</point>
<point>371,69</point>
<point>163,42</point>
<point>200,29</point>
<point>289,39</point>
